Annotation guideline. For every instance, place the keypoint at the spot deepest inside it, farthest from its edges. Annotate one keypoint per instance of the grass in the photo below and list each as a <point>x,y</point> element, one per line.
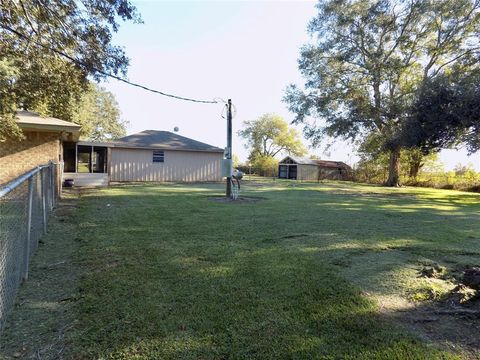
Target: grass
<point>300,274</point>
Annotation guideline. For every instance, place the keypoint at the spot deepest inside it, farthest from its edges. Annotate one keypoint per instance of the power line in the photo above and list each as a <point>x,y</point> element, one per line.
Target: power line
<point>118,78</point>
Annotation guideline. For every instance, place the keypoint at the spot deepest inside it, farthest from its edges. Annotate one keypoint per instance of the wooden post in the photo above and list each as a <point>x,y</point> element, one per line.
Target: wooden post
<point>229,147</point>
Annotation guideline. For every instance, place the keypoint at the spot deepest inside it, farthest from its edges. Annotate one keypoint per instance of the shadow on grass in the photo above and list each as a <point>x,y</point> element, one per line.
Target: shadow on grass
<point>265,304</point>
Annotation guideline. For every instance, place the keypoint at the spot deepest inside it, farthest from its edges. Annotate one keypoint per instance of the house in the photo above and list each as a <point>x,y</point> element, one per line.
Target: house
<point>146,156</point>
<point>42,143</point>
<point>149,155</point>
<point>298,168</point>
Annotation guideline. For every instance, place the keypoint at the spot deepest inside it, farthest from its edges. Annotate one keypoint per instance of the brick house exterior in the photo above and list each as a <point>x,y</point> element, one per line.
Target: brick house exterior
<point>42,143</point>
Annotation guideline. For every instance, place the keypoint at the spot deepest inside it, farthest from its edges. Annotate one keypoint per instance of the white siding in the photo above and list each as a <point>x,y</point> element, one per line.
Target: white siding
<point>179,166</point>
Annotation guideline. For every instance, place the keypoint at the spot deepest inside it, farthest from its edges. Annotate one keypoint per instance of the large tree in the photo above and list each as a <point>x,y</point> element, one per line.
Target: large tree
<point>49,49</point>
<point>99,114</point>
<point>446,113</point>
<point>367,60</point>
<point>270,135</point>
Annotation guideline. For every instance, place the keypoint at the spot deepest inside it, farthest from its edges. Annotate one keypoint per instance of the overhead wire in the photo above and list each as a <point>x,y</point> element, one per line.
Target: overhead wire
<point>104,73</point>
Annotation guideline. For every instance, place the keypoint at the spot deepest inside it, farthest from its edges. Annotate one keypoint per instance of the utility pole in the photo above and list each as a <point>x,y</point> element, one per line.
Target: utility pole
<point>229,147</point>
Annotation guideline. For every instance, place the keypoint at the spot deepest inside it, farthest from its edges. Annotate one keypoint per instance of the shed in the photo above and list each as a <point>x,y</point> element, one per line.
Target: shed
<point>298,168</point>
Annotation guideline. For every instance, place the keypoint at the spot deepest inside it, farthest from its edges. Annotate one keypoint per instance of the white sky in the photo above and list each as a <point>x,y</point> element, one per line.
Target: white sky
<point>243,50</point>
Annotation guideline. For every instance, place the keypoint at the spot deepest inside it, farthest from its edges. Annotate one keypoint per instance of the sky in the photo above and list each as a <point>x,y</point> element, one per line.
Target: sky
<point>246,51</point>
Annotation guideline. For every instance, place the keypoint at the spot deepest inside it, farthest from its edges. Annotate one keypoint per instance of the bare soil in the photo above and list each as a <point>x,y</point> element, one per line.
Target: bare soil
<point>449,326</point>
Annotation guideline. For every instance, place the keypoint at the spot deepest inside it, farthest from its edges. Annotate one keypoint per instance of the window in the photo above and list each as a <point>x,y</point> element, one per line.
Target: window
<point>90,159</point>
<point>158,156</point>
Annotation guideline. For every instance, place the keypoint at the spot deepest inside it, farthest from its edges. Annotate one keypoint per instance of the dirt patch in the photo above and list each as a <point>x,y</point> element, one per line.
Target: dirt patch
<point>239,200</point>
<point>471,277</point>
<point>452,327</point>
<point>451,322</point>
<point>419,295</point>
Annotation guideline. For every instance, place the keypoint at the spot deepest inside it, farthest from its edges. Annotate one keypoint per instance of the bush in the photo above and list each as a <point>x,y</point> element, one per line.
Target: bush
<point>468,180</point>
<point>265,166</point>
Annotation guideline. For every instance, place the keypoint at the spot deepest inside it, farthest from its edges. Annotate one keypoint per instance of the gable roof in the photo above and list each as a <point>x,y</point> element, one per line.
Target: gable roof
<point>321,163</point>
<point>300,160</point>
<point>165,140</point>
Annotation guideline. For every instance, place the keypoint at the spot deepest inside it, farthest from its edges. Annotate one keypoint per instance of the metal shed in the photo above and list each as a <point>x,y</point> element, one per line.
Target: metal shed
<point>299,168</point>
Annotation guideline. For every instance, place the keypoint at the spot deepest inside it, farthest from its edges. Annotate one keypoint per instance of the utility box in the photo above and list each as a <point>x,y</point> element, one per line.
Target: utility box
<point>226,167</point>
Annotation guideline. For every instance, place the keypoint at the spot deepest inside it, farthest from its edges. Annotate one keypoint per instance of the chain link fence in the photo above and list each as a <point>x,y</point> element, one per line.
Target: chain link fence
<point>25,205</point>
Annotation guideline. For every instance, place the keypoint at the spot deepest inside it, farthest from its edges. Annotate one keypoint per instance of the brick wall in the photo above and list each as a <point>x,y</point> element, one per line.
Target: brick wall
<point>18,157</point>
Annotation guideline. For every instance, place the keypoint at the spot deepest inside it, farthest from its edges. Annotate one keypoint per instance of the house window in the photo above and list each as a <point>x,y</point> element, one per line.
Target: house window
<point>90,159</point>
<point>158,156</point>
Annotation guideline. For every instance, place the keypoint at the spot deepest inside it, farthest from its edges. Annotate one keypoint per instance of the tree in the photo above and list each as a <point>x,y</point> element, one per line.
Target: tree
<point>415,160</point>
<point>446,113</point>
<point>269,135</point>
<point>235,161</point>
<point>369,58</point>
<point>265,165</point>
<point>49,48</point>
<point>98,113</point>
<point>373,167</point>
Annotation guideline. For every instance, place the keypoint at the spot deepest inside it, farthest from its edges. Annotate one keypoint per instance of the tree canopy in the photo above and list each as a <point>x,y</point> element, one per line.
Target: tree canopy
<point>98,113</point>
<point>50,48</point>
<point>269,135</point>
<point>446,114</point>
<point>266,137</point>
<point>367,60</point>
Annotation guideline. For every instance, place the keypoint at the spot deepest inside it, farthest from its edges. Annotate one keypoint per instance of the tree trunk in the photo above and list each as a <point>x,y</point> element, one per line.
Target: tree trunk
<point>394,168</point>
<point>414,169</point>
<point>415,164</point>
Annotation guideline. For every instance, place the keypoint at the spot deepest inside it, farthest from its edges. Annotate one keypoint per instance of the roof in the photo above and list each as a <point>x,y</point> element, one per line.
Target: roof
<point>32,120</point>
<point>95,143</point>
<point>300,160</point>
<point>321,163</point>
<point>165,140</point>
<point>332,164</point>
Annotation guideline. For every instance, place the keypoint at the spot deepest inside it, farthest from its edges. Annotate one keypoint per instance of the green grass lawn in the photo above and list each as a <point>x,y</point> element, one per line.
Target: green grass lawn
<point>306,272</point>
<point>173,275</point>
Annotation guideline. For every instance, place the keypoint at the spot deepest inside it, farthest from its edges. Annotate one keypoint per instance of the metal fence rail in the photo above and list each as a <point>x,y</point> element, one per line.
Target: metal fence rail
<point>25,205</point>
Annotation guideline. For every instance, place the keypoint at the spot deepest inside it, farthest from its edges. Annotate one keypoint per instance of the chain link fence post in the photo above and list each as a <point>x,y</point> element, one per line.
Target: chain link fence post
<point>53,183</point>
<point>44,199</point>
<point>26,258</point>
